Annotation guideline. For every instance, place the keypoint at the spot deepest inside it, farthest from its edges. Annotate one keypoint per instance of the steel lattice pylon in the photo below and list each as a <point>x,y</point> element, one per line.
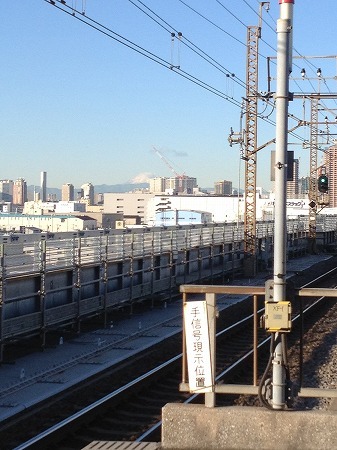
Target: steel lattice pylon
<point>251,140</point>
<point>313,195</point>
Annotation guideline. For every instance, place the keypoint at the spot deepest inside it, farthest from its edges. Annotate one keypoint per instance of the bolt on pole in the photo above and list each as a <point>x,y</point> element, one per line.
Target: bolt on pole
<point>284,56</point>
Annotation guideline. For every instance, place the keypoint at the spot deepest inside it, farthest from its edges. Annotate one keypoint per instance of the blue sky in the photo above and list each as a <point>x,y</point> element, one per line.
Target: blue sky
<point>85,108</point>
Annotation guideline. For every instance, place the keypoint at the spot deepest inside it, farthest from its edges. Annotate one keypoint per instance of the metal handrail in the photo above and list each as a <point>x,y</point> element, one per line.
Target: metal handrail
<point>210,292</point>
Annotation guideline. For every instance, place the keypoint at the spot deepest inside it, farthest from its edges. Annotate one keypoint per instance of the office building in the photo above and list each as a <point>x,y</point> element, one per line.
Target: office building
<point>87,193</point>
<point>128,203</point>
<point>68,192</point>
<point>157,185</point>
<point>223,208</point>
<point>6,190</point>
<point>19,192</point>
<point>293,185</point>
<point>99,199</point>
<point>303,186</point>
<point>223,187</point>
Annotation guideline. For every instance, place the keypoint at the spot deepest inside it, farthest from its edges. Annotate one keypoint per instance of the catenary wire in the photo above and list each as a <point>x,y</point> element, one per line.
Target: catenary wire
<point>106,31</point>
<point>227,9</point>
<point>217,26</point>
<point>264,21</point>
<point>242,23</point>
<point>131,45</point>
<point>192,47</point>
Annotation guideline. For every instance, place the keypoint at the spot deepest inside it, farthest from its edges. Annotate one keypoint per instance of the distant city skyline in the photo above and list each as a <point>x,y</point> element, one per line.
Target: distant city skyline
<point>171,183</point>
<point>85,108</point>
<point>45,176</point>
<point>183,184</point>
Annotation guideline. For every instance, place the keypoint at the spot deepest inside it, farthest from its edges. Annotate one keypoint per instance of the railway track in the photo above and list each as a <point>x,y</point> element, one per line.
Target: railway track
<point>132,408</point>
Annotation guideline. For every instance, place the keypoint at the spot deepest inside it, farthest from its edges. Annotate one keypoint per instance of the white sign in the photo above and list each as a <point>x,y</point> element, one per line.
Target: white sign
<point>197,346</point>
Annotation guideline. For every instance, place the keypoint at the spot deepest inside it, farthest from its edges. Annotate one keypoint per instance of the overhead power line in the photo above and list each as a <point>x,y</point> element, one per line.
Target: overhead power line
<point>59,4</point>
<point>82,17</point>
<point>187,42</point>
<point>168,27</point>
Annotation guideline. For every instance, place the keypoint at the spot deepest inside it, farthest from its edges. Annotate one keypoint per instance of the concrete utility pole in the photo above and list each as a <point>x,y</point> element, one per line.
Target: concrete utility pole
<point>284,57</point>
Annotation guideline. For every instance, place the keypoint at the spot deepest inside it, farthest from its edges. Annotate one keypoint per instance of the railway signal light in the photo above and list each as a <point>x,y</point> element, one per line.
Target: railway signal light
<point>323,183</point>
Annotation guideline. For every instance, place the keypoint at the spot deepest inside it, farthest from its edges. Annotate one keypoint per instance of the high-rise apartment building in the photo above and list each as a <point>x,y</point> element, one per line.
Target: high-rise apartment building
<point>157,184</point>
<point>44,186</point>
<point>303,186</point>
<point>20,192</point>
<point>87,193</point>
<point>178,184</point>
<point>68,192</point>
<point>293,186</point>
<point>182,184</point>
<point>330,163</point>
<point>223,187</point>
<point>6,190</point>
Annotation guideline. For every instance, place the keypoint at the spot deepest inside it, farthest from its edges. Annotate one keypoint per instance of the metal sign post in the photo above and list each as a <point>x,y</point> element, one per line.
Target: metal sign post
<point>199,336</point>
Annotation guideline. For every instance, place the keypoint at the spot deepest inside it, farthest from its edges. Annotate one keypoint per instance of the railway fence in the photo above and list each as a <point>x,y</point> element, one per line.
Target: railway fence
<point>53,280</point>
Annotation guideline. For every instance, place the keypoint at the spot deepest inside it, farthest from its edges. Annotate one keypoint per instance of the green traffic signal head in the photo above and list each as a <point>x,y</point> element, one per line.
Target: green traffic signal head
<point>323,183</point>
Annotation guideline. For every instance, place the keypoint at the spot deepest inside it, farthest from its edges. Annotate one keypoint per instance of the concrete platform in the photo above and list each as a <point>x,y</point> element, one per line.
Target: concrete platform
<point>241,427</point>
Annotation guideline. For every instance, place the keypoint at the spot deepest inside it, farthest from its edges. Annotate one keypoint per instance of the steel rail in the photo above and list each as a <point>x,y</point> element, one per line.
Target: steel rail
<point>68,421</point>
<point>36,378</point>
<point>227,371</point>
<point>39,438</point>
<point>57,427</point>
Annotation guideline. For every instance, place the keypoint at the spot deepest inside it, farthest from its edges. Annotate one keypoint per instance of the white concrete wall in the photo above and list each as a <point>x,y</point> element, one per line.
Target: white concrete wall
<point>50,223</point>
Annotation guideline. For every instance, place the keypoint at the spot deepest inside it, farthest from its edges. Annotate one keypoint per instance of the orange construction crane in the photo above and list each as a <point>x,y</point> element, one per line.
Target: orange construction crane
<point>162,157</point>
